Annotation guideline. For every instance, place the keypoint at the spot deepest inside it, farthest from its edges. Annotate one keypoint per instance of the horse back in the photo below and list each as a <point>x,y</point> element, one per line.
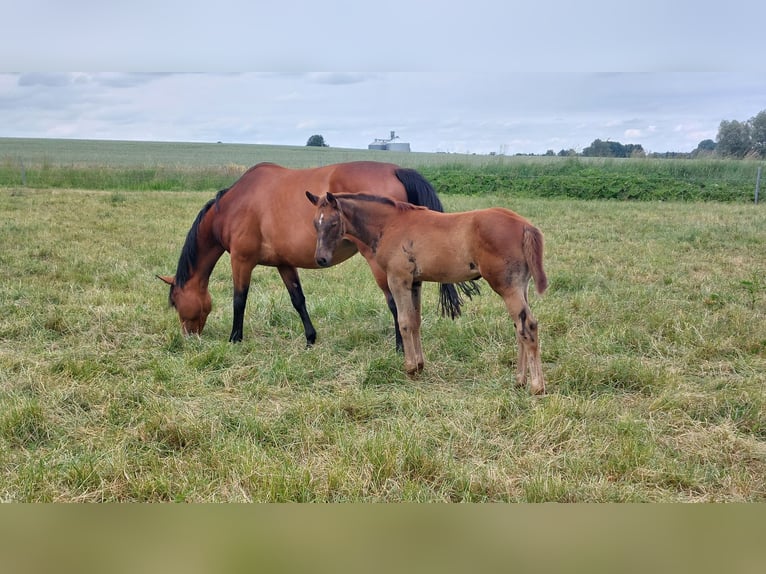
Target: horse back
<point>266,215</point>
<point>365,176</point>
<point>455,246</point>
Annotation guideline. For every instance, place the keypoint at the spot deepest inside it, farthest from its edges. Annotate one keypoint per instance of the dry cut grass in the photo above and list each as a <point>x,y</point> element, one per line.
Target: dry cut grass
<point>653,338</point>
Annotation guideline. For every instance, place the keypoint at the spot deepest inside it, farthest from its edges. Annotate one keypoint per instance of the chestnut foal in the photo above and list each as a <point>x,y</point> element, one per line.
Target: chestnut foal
<point>412,244</point>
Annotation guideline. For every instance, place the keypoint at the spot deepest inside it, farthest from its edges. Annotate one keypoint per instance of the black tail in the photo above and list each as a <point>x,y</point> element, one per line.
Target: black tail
<point>419,189</point>
<point>421,192</point>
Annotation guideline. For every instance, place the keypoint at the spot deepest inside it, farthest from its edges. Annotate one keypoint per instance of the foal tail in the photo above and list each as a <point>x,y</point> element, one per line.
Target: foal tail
<point>421,192</point>
<point>533,253</point>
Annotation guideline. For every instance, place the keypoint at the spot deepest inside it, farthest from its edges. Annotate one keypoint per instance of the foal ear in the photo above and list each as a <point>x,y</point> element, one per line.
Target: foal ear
<point>331,199</point>
<point>169,280</point>
<point>312,198</point>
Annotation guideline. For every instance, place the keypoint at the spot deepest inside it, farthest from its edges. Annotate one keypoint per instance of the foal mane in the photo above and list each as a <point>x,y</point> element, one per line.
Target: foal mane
<point>399,205</point>
<point>188,259</point>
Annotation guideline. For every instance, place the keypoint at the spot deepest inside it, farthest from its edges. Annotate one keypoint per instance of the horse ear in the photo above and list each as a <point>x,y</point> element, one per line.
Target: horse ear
<point>331,199</point>
<point>169,280</point>
<point>312,198</point>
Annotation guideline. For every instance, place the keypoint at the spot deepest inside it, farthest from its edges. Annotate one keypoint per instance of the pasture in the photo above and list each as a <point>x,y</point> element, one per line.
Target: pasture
<point>653,338</point>
<point>178,166</point>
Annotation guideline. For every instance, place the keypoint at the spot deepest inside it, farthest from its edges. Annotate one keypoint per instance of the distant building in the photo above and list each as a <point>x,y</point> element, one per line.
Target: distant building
<point>389,144</point>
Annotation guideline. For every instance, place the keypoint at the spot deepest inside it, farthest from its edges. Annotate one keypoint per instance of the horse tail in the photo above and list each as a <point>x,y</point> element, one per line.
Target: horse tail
<point>533,253</point>
<point>421,192</point>
<point>419,189</point>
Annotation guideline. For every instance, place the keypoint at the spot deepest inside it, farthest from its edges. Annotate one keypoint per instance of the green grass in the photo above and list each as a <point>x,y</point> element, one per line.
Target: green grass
<point>597,178</point>
<point>653,340</point>
<point>165,166</point>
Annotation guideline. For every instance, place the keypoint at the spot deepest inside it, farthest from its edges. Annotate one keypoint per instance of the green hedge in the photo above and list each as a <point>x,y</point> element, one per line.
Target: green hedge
<point>649,179</point>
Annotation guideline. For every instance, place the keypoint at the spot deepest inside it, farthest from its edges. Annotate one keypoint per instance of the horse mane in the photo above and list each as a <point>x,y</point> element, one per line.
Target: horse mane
<point>188,258</point>
<point>399,205</point>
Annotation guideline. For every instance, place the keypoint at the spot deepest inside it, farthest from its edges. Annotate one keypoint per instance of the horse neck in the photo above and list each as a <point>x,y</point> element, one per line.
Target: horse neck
<point>209,251</point>
<point>365,220</point>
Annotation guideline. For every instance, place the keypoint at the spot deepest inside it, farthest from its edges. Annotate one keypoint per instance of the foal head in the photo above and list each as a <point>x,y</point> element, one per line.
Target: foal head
<point>193,305</point>
<point>328,225</point>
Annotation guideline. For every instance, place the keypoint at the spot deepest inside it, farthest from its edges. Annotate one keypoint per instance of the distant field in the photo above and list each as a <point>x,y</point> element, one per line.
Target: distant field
<point>167,166</point>
<point>96,153</point>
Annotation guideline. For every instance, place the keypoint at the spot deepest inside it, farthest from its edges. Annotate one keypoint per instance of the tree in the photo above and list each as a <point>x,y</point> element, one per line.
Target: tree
<point>316,141</point>
<point>758,133</point>
<point>608,148</point>
<point>598,148</point>
<point>634,150</point>
<point>733,139</point>
<point>704,148</point>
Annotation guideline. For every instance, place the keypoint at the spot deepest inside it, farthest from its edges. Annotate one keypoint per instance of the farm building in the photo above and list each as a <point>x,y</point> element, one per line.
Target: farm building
<point>390,144</point>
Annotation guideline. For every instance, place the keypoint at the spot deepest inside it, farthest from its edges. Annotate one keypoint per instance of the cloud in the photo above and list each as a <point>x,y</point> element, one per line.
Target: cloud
<point>477,112</point>
<point>110,80</point>
<point>339,79</point>
<point>44,79</point>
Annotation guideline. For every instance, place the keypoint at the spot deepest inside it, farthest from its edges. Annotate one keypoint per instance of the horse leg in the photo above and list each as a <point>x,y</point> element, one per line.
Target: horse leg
<point>417,339</point>
<point>521,362</point>
<point>241,271</point>
<point>397,332</point>
<point>382,281</point>
<point>407,298</point>
<point>292,282</point>
<point>527,335</point>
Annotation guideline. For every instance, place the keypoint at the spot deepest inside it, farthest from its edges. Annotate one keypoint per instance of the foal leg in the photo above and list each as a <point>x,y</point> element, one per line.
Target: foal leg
<point>417,339</point>
<point>407,297</point>
<point>292,282</point>
<point>382,281</point>
<point>527,337</point>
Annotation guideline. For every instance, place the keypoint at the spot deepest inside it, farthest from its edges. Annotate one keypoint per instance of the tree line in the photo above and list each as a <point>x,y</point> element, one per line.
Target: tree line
<point>743,139</point>
<point>735,139</point>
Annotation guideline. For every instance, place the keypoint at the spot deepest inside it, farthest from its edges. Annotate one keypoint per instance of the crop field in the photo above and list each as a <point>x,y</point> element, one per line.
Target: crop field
<point>653,338</point>
<point>161,166</point>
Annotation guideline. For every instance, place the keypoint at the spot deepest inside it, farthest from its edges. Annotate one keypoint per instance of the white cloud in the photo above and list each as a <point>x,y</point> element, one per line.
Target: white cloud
<point>475,111</point>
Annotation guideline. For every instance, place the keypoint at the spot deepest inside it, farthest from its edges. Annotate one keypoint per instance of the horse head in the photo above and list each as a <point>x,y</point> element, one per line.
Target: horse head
<point>328,225</point>
<point>193,305</point>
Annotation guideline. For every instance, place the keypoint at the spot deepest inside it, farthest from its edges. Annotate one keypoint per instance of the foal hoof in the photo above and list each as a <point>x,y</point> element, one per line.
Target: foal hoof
<point>414,371</point>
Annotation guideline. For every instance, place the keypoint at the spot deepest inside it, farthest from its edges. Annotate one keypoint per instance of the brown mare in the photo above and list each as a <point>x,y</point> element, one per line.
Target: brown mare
<point>264,219</point>
<point>412,245</point>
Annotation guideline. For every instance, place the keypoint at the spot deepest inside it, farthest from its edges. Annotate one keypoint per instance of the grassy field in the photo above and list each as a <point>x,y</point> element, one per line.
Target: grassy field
<point>653,338</point>
<point>162,166</point>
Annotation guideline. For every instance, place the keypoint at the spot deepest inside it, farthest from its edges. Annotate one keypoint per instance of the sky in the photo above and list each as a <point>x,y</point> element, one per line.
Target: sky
<point>455,112</point>
<point>489,76</point>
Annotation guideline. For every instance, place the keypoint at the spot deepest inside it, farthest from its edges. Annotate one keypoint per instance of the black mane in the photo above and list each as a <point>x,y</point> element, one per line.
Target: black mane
<point>367,197</point>
<point>400,205</point>
<point>188,259</point>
